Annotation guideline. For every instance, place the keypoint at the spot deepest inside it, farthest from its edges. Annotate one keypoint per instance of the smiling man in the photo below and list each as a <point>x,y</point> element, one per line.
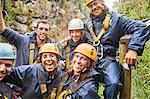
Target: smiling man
<point>7,58</point>
<point>42,80</point>
<point>27,45</point>
<point>104,29</point>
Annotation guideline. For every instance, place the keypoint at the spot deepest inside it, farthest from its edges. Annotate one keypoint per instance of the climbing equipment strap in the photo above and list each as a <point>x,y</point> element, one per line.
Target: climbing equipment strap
<point>104,28</point>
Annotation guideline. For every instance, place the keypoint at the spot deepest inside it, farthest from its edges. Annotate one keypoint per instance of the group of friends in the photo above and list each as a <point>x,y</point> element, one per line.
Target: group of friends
<point>37,68</point>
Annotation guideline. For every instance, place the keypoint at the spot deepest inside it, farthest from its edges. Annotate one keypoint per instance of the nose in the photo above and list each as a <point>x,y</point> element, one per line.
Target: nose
<point>93,7</point>
<point>78,60</point>
<point>43,30</point>
<point>49,58</point>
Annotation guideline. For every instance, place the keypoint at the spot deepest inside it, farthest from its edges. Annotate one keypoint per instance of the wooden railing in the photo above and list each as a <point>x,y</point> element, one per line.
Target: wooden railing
<point>126,76</point>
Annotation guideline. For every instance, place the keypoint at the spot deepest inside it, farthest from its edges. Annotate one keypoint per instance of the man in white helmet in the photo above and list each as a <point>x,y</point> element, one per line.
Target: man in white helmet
<point>76,37</point>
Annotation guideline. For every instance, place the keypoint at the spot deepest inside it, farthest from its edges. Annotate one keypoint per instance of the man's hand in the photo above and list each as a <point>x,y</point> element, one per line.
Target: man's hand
<point>2,23</point>
<point>130,57</point>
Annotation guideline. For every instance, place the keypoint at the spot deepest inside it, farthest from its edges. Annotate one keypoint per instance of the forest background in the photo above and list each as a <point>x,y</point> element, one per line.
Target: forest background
<point>22,16</point>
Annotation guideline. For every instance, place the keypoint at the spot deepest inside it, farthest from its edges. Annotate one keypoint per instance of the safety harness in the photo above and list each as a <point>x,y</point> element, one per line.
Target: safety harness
<point>48,91</point>
<point>32,48</point>
<point>64,45</point>
<point>96,39</point>
<point>104,28</point>
<point>73,86</point>
<point>67,49</point>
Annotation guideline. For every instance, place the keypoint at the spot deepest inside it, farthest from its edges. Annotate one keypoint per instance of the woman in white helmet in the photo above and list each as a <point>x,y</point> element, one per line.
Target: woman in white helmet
<point>76,37</point>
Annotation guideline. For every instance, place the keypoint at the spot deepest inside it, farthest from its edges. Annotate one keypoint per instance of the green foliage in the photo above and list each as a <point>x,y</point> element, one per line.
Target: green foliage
<point>135,9</point>
<point>141,76</point>
<point>139,9</point>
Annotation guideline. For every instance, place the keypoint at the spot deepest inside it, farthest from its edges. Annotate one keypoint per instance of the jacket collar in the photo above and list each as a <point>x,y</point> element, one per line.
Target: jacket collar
<point>98,18</point>
<point>32,36</point>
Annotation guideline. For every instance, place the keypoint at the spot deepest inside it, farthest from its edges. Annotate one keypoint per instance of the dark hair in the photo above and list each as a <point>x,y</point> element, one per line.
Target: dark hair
<point>42,21</point>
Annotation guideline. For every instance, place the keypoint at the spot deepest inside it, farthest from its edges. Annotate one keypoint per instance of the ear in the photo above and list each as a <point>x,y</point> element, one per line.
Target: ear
<point>83,33</point>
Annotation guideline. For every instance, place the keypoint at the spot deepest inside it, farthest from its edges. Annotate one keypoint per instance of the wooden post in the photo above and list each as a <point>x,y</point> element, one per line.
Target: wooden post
<point>126,77</point>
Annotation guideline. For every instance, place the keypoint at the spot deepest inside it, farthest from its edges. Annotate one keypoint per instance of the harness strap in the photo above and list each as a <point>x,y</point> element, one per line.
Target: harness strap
<point>67,49</point>
<point>41,79</point>
<point>53,93</point>
<point>75,87</point>
<point>32,47</point>
<point>104,28</point>
<point>63,80</point>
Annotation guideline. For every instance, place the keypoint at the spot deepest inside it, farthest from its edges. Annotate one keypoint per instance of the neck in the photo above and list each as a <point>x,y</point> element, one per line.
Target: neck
<point>40,42</point>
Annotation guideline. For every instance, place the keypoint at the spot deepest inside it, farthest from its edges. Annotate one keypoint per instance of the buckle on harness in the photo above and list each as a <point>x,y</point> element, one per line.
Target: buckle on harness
<point>101,53</point>
<point>96,43</point>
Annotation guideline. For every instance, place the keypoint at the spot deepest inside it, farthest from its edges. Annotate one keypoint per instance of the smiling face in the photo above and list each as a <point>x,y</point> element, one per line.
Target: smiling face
<point>79,63</point>
<point>76,34</point>
<point>49,62</point>
<point>5,68</point>
<point>42,31</point>
<point>96,7</point>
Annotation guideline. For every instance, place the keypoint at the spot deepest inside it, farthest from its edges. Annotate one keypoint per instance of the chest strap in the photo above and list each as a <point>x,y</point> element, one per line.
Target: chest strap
<point>73,88</point>
<point>104,28</point>
<point>48,91</point>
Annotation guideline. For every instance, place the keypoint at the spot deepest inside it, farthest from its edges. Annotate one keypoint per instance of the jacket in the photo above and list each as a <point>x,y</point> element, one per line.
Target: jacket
<point>31,78</point>
<point>21,42</point>
<point>5,91</point>
<point>86,89</point>
<point>118,27</point>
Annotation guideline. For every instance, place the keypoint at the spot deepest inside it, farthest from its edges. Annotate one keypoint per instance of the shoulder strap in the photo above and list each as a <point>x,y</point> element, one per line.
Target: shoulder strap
<point>67,50</point>
<point>104,28</point>
<point>64,42</point>
<point>41,80</point>
<point>62,82</point>
<point>32,47</point>
<point>75,87</point>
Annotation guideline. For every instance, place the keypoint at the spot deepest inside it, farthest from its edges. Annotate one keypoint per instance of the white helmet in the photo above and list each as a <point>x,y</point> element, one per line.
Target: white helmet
<point>75,24</point>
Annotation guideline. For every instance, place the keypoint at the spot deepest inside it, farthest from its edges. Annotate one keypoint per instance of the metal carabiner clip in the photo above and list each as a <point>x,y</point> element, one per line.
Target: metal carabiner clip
<point>102,51</point>
<point>96,43</point>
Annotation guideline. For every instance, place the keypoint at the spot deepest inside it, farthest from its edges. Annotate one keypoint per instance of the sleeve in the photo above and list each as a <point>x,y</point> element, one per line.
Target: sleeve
<point>140,33</point>
<point>12,36</point>
<point>19,75</point>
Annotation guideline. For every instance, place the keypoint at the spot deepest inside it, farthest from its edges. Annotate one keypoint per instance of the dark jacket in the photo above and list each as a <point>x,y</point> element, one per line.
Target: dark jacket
<point>86,89</point>
<point>119,26</point>
<point>30,79</point>
<point>21,42</point>
<point>5,91</point>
